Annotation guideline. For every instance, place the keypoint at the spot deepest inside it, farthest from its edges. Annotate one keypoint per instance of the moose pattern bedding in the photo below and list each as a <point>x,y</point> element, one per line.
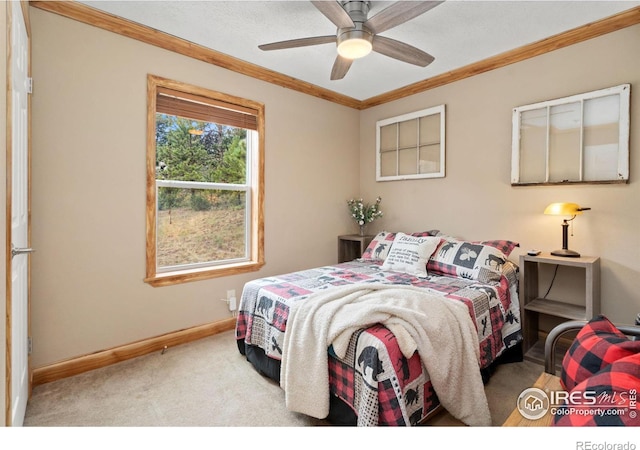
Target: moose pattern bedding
<point>373,376</point>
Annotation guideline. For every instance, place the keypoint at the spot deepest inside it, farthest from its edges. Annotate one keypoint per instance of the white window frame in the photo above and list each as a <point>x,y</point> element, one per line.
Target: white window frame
<point>417,115</point>
<point>622,172</point>
<point>212,186</point>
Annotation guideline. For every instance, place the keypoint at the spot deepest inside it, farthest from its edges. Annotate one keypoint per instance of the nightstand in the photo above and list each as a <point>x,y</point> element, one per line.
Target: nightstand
<point>535,305</point>
<point>352,246</point>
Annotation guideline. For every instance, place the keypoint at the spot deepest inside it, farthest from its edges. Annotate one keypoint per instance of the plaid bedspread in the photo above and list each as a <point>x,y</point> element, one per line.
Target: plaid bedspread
<point>374,378</point>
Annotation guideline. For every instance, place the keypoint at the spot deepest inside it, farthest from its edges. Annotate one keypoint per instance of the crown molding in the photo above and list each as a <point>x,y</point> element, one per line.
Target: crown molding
<point>91,16</point>
<point>591,30</point>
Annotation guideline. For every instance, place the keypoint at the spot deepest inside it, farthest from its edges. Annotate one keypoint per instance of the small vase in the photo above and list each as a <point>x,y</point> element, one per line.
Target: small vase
<point>361,232</point>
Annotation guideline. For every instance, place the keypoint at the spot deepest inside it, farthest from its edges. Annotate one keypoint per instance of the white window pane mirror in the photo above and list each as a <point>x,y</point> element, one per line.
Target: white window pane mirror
<point>579,139</point>
<point>411,145</point>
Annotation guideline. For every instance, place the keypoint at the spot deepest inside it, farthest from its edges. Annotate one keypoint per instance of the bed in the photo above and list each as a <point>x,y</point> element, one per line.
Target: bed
<point>370,373</point>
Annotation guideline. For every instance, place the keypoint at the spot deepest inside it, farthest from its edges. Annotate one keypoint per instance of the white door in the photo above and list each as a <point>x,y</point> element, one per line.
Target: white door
<point>19,170</point>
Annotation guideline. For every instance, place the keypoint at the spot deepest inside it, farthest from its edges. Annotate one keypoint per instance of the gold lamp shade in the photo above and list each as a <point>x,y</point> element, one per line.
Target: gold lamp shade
<point>565,209</point>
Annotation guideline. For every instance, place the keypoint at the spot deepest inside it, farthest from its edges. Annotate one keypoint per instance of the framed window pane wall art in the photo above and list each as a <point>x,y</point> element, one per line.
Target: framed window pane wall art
<point>578,139</point>
<point>411,145</point>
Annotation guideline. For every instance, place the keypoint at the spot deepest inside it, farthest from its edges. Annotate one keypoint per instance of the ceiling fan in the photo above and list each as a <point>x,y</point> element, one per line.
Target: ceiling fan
<point>358,35</point>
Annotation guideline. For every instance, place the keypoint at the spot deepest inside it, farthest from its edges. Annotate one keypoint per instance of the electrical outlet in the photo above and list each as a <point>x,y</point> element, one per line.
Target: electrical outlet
<point>231,293</point>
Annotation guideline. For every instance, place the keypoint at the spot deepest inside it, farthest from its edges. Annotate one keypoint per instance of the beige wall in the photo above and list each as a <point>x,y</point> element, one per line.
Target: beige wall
<point>89,125</point>
<point>476,201</point>
<point>89,110</point>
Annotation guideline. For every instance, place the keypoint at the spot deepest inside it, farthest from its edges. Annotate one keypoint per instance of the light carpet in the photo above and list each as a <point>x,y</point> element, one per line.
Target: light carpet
<point>207,383</point>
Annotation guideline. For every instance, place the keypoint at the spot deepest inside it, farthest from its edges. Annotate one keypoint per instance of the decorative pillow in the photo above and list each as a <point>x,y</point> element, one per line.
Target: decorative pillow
<point>426,233</point>
<point>464,259</point>
<point>598,344</point>
<point>610,396</point>
<point>504,246</point>
<point>379,247</point>
<point>409,254</point>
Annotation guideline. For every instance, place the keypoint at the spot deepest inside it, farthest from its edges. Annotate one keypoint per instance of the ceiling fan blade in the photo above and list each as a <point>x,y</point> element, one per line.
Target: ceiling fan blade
<point>401,51</point>
<point>335,13</point>
<point>340,67</point>
<point>302,42</point>
<point>398,13</point>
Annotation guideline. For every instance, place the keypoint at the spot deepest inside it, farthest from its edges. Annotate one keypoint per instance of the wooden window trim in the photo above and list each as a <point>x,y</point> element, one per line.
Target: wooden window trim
<point>256,253</point>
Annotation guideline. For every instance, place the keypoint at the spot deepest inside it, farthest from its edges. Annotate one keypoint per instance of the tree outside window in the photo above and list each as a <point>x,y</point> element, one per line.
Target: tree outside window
<point>204,217</point>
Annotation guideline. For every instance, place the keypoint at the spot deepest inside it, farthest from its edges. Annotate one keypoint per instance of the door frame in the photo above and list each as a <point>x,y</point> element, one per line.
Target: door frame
<point>24,5</point>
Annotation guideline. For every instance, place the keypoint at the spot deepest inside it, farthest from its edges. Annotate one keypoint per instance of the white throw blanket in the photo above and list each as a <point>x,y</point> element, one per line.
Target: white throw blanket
<point>440,329</point>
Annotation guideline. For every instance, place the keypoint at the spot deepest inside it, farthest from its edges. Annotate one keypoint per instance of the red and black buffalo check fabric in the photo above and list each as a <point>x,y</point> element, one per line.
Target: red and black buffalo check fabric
<point>386,380</point>
<point>598,344</point>
<point>374,378</point>
<point>608,398</point>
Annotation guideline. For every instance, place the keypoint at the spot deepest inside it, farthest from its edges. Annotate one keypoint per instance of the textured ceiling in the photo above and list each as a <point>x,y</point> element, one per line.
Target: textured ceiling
<point>456,33</point>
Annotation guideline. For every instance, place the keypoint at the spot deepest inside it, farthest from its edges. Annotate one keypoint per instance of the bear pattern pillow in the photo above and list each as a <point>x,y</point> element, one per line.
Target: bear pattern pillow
<point>409,254</point>
<point>598,344</point>
<point>465,259</point>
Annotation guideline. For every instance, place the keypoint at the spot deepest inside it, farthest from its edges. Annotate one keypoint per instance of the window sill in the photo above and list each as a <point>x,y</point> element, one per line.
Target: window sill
<point>558,183</point>
<point>185,276</point>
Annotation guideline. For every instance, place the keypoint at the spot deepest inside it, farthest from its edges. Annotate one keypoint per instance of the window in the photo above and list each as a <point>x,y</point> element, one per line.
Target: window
<point>579,139</point>
<point>411,146</point>
<point>204,183</point>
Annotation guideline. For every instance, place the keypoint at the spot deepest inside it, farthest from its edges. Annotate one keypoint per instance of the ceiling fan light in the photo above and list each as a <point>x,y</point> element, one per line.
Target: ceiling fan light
<point>354,48</point>
<point>354,44</point>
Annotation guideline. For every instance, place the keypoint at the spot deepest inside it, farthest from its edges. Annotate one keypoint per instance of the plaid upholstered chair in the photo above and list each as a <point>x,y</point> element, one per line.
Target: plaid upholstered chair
<point>600,372</point>
<point>559,331</point>
<point>601,367</point>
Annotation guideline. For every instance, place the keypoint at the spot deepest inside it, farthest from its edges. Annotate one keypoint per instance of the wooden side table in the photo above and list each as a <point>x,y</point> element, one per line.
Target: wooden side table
<point>352,246</point>
<point>534,304</point>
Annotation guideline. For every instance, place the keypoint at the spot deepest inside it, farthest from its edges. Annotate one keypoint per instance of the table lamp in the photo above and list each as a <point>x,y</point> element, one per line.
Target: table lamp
<point>565,209</point>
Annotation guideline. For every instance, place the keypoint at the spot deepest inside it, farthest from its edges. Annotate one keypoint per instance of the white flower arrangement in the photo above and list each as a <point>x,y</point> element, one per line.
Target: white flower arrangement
<point>364,213</point>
